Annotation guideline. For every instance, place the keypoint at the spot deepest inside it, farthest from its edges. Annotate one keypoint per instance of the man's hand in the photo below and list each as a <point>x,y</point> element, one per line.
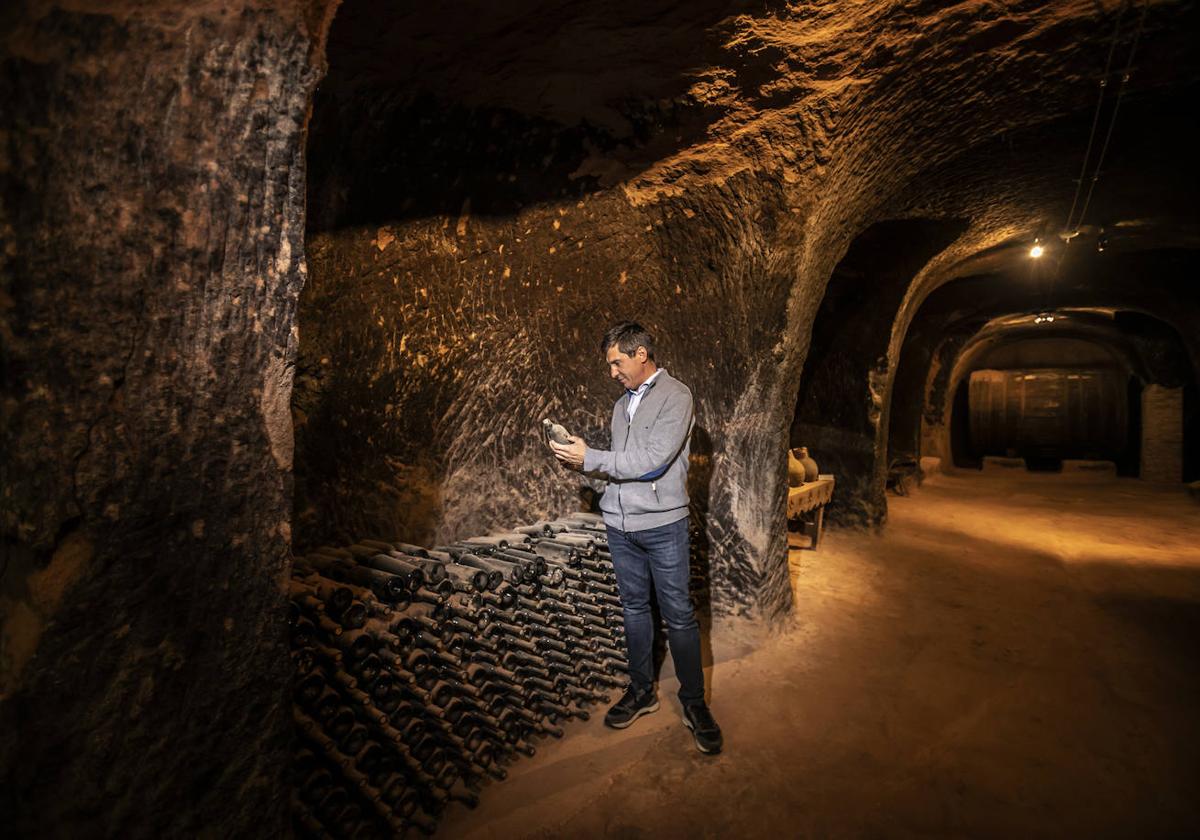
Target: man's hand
<point>570,454</point>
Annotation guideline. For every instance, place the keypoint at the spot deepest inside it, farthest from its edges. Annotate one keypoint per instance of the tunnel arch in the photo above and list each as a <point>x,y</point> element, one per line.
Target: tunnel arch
<point>1005,208</point>
<point>1092,330</point>
<point>840,403</point>
<point>1149,275</point>
<point>1150,349</point>
<point>1063,343</point>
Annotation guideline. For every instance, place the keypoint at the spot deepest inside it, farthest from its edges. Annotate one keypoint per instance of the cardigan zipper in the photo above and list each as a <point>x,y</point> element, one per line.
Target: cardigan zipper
<point>624,446</point>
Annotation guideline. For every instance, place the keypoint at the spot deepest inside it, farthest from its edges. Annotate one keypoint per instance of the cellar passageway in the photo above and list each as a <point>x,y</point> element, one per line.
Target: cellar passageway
<point>1014,655</point>
<point>288,289</point>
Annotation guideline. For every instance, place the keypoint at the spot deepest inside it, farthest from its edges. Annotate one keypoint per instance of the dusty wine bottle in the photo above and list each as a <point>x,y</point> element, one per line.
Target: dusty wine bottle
<point>555,432</point>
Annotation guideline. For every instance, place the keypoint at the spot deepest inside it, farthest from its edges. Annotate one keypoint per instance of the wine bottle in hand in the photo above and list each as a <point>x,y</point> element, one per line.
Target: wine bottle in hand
<point>555,432</point>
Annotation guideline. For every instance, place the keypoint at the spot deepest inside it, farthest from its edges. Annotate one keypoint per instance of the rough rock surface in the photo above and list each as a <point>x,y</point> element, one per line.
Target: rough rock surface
<point>493,196</point>
<point>444,319</point>
<point>988,268</point>
<point>153,210</point>
<point>491,185</point>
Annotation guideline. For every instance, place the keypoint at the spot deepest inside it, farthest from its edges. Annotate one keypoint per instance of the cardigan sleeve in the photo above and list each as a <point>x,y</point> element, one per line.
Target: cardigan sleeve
<point>651,459</point>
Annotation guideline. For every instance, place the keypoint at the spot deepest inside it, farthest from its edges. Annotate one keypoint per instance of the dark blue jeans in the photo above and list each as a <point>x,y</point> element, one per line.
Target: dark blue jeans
<point>658,556</point>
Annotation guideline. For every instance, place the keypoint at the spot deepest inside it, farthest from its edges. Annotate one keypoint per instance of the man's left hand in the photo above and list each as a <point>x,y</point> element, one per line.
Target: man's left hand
<point>570,454</point>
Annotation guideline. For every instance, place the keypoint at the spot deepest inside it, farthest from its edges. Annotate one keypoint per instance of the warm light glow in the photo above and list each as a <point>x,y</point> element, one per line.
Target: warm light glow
<point>1036,251</point>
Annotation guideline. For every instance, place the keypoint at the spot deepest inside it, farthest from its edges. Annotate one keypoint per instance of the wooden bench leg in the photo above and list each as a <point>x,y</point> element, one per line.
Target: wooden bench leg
<point>820,523</point>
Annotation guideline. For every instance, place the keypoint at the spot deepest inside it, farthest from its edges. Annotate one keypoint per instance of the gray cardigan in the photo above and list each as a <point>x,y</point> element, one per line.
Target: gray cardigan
<point>645,474</point>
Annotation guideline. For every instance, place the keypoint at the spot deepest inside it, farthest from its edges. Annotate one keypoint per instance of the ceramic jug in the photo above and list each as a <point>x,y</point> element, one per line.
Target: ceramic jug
<point>810,466</point>
<point>795,469</point>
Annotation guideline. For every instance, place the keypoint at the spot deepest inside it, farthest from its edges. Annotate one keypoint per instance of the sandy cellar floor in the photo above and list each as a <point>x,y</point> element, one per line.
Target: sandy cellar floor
<point>1014,654</point>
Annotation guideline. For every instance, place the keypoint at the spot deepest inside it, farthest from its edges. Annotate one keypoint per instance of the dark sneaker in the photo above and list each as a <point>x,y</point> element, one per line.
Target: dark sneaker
<point>699,719</point>
<point>630,707</point>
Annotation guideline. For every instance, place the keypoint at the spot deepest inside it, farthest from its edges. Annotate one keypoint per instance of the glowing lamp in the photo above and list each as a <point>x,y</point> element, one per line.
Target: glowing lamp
<point>1036,251</point>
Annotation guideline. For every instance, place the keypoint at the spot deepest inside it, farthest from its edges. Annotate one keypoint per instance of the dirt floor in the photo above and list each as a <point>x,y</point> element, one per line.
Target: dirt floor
<point>1013,655</point>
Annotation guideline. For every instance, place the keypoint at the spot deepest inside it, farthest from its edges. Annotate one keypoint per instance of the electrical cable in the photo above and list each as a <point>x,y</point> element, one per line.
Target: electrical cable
<point>1116,107</point>
<point>1112,121</point>
<point>1112,49</point>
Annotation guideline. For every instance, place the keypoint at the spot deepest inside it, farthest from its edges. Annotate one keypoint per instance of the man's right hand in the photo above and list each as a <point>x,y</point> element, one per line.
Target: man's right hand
<point>570,454</point>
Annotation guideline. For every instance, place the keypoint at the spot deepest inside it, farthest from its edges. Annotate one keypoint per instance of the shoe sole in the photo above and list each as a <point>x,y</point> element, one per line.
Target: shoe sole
<point>645,710</point>
<point>688,724</point>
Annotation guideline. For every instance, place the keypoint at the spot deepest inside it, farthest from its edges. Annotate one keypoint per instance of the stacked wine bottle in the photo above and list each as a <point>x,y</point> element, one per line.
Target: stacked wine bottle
<point>421,672</point>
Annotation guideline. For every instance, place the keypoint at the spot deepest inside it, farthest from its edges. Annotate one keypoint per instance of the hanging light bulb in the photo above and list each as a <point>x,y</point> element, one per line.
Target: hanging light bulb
<point>1037,250</point>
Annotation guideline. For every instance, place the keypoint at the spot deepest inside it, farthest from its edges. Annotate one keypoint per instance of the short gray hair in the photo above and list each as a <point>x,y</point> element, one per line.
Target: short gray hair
<point>628,336</point>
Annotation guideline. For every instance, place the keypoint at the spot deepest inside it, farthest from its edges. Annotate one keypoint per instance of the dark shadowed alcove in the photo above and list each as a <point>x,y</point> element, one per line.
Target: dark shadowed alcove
<point>841,403</point>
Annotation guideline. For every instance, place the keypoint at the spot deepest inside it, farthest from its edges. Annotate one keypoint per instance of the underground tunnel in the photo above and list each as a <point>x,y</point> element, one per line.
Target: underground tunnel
<point>289,289</point>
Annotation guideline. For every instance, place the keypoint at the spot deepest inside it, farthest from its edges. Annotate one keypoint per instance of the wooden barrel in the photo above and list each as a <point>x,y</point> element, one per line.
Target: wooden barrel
<point>1049,413</point>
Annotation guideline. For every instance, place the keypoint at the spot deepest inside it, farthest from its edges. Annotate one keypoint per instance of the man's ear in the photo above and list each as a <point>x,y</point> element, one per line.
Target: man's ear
<point>641,354</point>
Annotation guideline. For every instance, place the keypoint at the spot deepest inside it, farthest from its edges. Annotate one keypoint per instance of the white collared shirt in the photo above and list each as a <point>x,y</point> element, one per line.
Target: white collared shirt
<point>635,397</point>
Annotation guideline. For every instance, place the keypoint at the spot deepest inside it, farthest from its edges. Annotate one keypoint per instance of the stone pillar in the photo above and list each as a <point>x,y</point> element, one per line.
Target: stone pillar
<point>152,209</point>
<point>1162,434</point>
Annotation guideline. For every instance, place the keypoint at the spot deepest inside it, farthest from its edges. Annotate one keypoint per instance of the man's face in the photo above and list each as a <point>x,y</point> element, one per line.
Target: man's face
<point>629,370</point>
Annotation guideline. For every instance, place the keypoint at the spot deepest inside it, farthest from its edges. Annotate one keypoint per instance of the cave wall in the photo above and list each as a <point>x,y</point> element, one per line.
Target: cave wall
<point>153,212</point>
<point>458,290</point>
<point>439,329</point>
<point>153,217</point>
<point>741,162</point>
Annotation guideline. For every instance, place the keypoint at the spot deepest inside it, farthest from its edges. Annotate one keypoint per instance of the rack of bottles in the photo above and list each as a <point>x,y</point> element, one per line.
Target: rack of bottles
<point>421,673</point>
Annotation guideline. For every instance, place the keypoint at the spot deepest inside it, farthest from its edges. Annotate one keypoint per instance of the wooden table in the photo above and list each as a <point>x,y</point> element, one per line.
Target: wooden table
<point>811,498</point>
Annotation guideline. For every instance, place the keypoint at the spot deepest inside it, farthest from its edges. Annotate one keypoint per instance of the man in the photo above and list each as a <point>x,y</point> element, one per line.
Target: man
<point>645,507</point>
